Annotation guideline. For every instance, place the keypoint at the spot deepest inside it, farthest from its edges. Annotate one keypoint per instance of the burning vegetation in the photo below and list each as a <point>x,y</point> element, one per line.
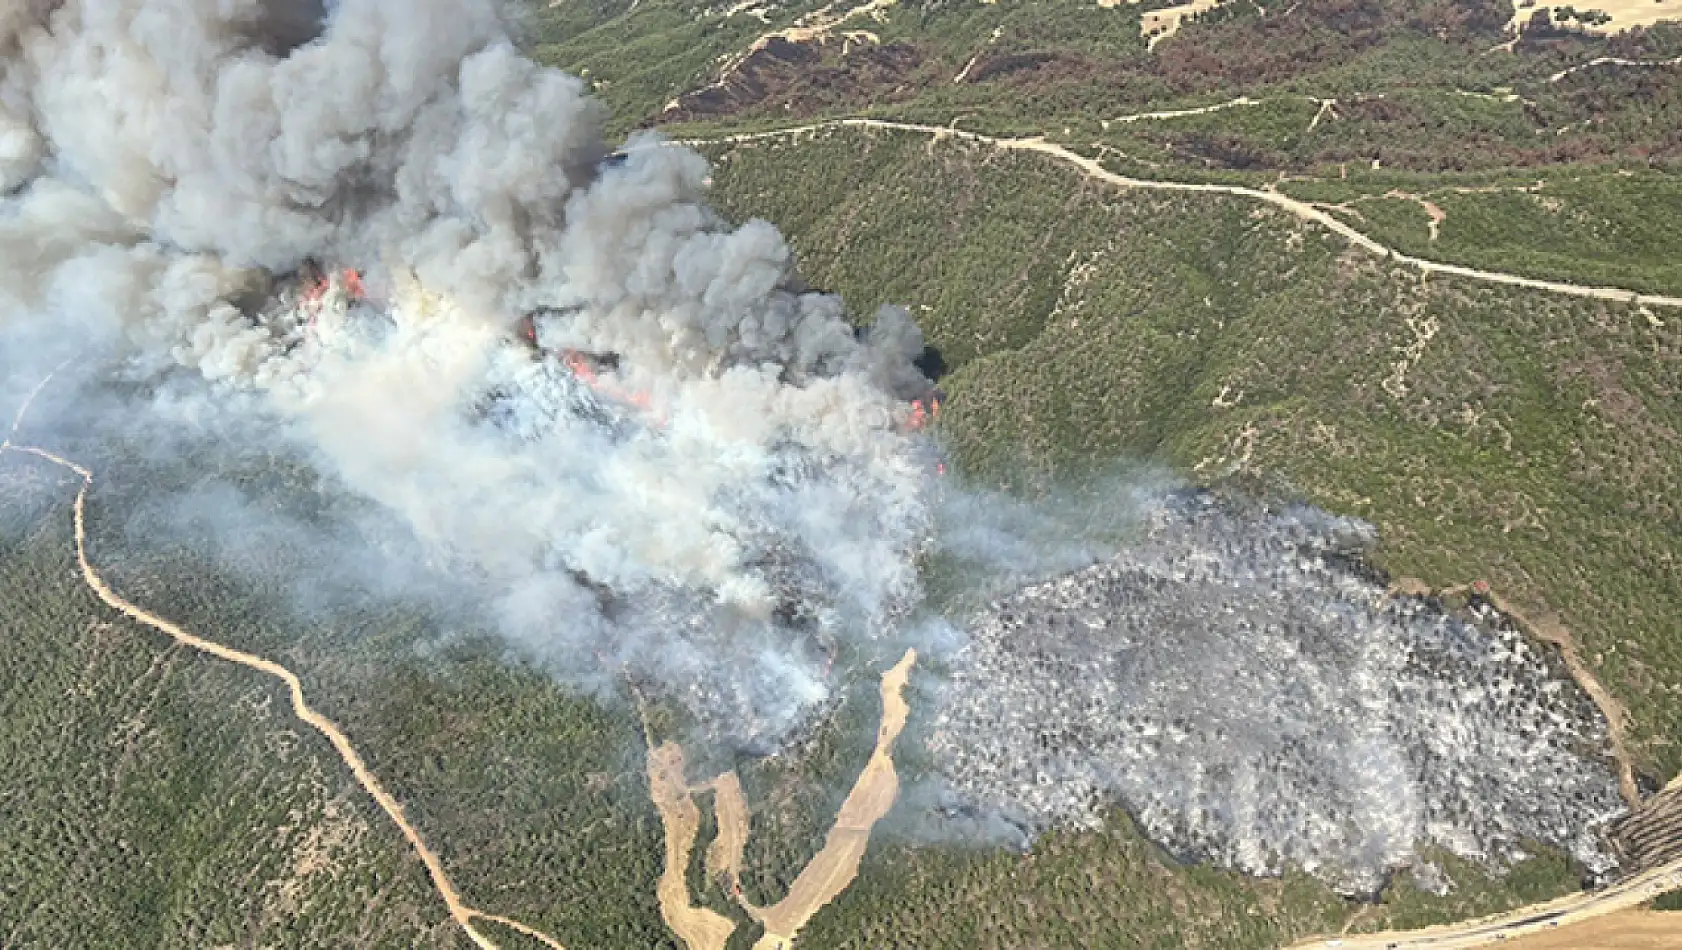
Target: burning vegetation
<point>652,449</point>
<point>651,453</point>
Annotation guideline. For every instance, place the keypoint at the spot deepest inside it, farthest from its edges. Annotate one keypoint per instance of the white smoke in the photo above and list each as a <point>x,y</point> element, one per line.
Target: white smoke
<point>733,498</point>
<point>164,161</point>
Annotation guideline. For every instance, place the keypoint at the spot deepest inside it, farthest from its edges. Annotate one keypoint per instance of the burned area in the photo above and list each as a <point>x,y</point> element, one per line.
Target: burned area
<point>1252,698</point>
<point>546,371</point>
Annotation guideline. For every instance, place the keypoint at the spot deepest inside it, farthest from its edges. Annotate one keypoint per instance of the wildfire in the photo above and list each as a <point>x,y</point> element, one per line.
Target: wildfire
<point>587,374</point>
<point>581,368</point>
<point>315,294</point>
<point>923,413</point>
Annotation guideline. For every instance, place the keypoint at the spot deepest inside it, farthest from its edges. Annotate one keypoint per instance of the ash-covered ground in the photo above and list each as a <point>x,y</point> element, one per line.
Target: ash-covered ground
<point>1252,698</point>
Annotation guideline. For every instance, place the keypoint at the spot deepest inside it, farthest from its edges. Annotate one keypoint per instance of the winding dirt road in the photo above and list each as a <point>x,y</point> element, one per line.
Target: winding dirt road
<point>462,913</point>
<point>1301,209</point>
<point>1616,61</point>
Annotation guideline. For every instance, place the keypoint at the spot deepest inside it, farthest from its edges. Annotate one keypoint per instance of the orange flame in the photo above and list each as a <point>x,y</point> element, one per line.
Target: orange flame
<point>587,375</point>
<point>350,279</point>
<point>580,367</point>
<point>311,298</point>
<point>923,413</point>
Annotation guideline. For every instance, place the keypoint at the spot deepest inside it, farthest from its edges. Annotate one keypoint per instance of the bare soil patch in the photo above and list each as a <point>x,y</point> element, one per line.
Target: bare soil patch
<point>828,874</point>
<point>1630,930</point>
<point>873,794</point>
<point>698,927</point>
<point>1158,25</point>
<point>1625,14</point>
<point>724,855</point>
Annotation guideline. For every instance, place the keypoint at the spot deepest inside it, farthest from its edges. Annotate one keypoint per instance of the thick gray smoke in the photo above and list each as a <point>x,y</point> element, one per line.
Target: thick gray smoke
<point>1252,699</point>
<point>625,427</point>
<point>693,470</point>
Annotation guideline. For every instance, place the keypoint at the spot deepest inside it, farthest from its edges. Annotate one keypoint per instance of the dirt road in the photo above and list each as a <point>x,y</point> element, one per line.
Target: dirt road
<point>1547,627</point>
<point>834,868</point>
<point>1616,61</point>
<point>463,914</point>
<point>730,808</point>
<point>824,877</point>
<point>698,927</point>
<point>1557,915</point>
<point>1300,209</point>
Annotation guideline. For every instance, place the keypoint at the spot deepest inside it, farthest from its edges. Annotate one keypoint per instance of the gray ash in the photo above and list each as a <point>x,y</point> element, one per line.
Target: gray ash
<point>1254,698</point>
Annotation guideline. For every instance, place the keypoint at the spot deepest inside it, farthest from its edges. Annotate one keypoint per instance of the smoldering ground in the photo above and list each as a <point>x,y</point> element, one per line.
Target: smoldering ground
<point>692,472</point>
<point>1236,681</point>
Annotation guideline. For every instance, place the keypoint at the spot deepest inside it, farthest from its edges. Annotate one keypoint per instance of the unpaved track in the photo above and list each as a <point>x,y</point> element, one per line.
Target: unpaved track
<point>1565,917</point>
<point>1300,209</point>
<point>1548,917</point>
<point>730,808</point>
<point>1547,627</point>
<point>873,794</point>
<point>460,912</point>
<point>824,877</point>
<point>1616,61</point>
<point>1241,101</point>
<point>698,927</point>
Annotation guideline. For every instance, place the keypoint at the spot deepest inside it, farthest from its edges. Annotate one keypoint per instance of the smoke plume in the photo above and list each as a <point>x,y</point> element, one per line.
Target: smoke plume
<point>624,419</point>
<point>372,235</point>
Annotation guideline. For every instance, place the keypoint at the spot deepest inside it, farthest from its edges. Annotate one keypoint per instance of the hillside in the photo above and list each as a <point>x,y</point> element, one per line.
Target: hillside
<point>1503,438</point>
<point>1473,425</point>
<point>1550,156</point>
<point>1526,439</point>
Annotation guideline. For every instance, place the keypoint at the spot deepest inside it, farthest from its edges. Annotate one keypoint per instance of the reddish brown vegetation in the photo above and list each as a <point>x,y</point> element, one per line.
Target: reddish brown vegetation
<point>801,80</point>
